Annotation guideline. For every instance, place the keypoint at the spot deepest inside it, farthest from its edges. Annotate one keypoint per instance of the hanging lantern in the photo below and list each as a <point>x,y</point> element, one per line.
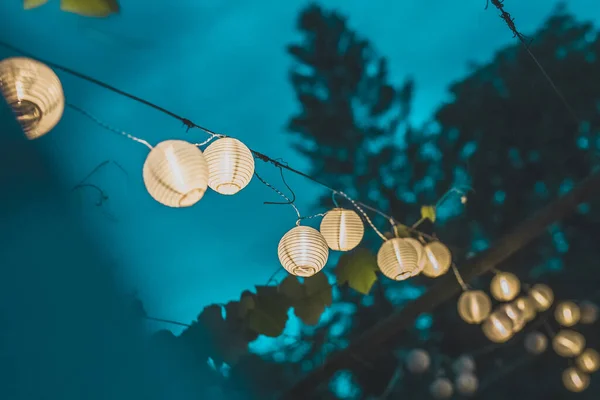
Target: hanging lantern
<point>536,343</point>
<point>527,307</point>
<point>589,312</point>
<point>34,93</point>
<point>567,313</point>
<point>439,259</point>
<point>588,361</point>
<point>441,388</point>
<point>175,173</point>
<point>474,306</point>
<point>421,256</point>
<point>505,286</point>
<point>464,363</point>
<point>397,259</point>
<point>498,327</point>
<point>568,343</point>
<point>467,383</point>
<point>418,361</point>
<point>515,315</point>
<point>542,296</point>
<point>230,165</point>
<point>342,229</point>
<point>575,380</point>
<point>303,251</point>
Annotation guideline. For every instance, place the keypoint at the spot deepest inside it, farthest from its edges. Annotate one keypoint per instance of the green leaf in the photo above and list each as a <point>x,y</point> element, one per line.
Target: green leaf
<point>428,212</point>
<point>29,4</point>
<point>310,310</point>
<point>318,286</point>
<point>90,8</point>
<point>357,269</point>
<point>401,231</point>
<point>310,298</point>
<point>269,315</point>
<point>292,288</point>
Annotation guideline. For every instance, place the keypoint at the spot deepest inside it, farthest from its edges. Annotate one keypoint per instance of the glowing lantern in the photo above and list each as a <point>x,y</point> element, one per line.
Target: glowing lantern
<point>464,363</point>
<point>498,327</point>
<point>342,229</point>
<point>575,380</point>
<point>515,315</point>
<point>474,306</point>
<point>542,296</point>
<point>466,383</point>
<point>230,165</point>
<point>536,343</point>
<point>567,313</point>
<point>34,93</point>
<point>527,307</point>
<point>505,286</point>
<point>588,361</point>
<point>441,388</point>
<point>418,361</point>
<point>421,256</point>
<point>175,173</point>
<point>397,259</point>
<point>568,343</point>
<point>439,259</point>
<point>589,312</point>
<point>303,251</point>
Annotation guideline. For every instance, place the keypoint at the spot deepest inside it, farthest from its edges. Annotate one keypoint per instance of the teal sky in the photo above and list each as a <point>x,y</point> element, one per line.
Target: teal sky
<point>223,65</point>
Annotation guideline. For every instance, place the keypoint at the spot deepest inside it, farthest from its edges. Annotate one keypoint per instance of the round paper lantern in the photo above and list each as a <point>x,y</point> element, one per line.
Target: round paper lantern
<point>474,306</point>
<point>536,343</point>
<point>527,307</point>
<point>418,361</point>
<point>439,259</point>
<point>303,251</point>
<point>441,388</point>
<point>588,361</point>
<point>575,380</point>
<point>342,229</point>
<point>568,343</point>
<point>515,315</point>
<point>542,296</point>
<point>505,286</point>
<point>175,173</point>
<point>498,327</point>
<point>567,313</point>
<point>466,383</point>
<point>230,165</point>
<point>34,93</point>
<point>464,363</point>
<point>589,312</point>
<point>421,256</point>
<point>397,259</point>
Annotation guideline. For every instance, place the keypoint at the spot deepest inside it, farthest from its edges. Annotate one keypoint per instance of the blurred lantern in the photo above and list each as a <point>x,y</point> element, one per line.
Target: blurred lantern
<point>527,307</point>
<point>575,380</point>
<point>542,296</point>
<point>439,259</point>
<point>498,327</point>
<point>34,93</point>
<point>342,229</point>
<point>505,286</point>
<point>536,343</point>
<point>464,363</point>
<point>568,343</point>
<point>397,259</point>
<point>441,388</point>
<point>230,165</point>
<point>588,361</point>
<point>175,173</point>
<point>303,251</point>
<point>567,313</point>
<point>589,312</point>
<point>421,256</point>
<point>474,306</point>
<point>466,383</point>
<point>418,361</point>
<point>515,315</point>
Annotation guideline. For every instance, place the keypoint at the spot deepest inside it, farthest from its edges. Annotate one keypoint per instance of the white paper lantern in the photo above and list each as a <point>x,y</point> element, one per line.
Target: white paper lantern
<point>542,296</point>
<point>230,165</point>
<point>34,93</point>
<point>342,229</point>
<point>464,363</point>
<point>467,383</point>
<point>515,315</point>
<point>175,173</point>
<point>567,313</point>
<point>536,343</point>
<point>418,361</point>
<point>589,312</point>
<point>498,327</point>
<point>439,259</point>
<point>588,361</point>
<point>303,251</point>
<point>527,307</point>
<point>505,286</point>
<point>575,380</point>
<point>568,343</point>
<point>441,388</point>
<point>421,256</point>
<point>474,306</point>
<point>397,259</point>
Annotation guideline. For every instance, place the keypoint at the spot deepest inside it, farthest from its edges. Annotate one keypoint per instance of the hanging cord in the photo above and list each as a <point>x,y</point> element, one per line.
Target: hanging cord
<point>459,278</point>
<point>364,214</point>
<point>288,201</point>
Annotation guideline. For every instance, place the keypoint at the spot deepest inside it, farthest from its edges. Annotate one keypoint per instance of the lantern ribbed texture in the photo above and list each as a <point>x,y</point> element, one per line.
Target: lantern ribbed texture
<point>527,307</point>
<point>568,343</point>
<point>515,315</point>
<point>588,361</point>
<point>342,229</point>
<point>230,165</point>
<point>34,93</point>
<point>567,313</point>
<point>303,251</point>
<point>505,286</point>
<point>474,306</point>
<point>542,296</point>
<point>498,327</point>
<point>439,259</point>
<point>175,173</point>
<point>421,256</point>
<point>397,259</point>
<point>575,380</point>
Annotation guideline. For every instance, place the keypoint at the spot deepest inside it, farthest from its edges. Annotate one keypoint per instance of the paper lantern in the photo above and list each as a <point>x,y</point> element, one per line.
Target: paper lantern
<point>441,388</point>
<point>474,306</point>
<point>567,313</point>
<point>505,286</point>
<point>439,259</point>
<point>464,363</point>
<point>418,361</point>
<point>397,259</point>
<point>303,251</point>
<point>515,315</point>
<point>536,343</point>
<point>34,93</point>
<point>542,296</point>
<point>342,229</point>
<point>575,380</point>
<point>588,361</point>
<point>568,343</point>
<point>589,312</point>
<point>527,307</point>
<point>421,256</point>
<point>175,173</point>
<point>466,383</point>
<point>230,165</point>
<point>498,327</point>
